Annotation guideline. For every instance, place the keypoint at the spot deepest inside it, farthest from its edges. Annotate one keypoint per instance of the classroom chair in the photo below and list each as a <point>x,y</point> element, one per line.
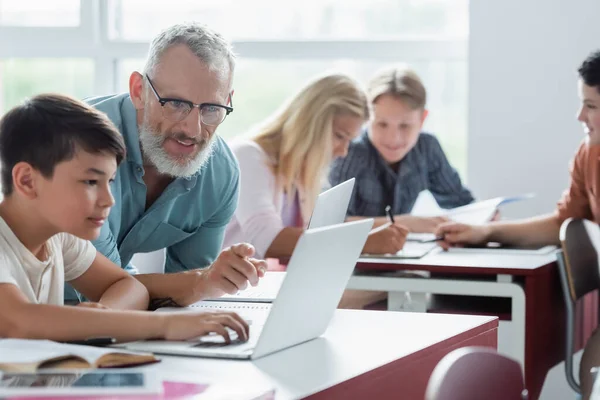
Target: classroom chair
<point>475,373</point>
<point>578,266</point>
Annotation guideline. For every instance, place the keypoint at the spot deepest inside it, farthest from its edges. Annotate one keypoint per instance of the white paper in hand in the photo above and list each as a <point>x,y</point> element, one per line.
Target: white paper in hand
<point>474,214</point>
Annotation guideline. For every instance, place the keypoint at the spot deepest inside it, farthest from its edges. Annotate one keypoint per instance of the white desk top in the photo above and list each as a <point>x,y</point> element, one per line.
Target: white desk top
<point>356,342</point>
<point>481,259</point>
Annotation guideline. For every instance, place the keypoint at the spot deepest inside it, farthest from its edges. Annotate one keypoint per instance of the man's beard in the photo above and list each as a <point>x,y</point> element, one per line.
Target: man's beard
<point>152,148</point>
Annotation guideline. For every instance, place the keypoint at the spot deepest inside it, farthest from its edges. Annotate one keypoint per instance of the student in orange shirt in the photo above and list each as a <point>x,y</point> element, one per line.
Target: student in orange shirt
<point>580,200</point>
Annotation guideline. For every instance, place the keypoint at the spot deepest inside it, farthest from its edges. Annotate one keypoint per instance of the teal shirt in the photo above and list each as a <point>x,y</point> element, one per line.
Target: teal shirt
<point>189,217</point>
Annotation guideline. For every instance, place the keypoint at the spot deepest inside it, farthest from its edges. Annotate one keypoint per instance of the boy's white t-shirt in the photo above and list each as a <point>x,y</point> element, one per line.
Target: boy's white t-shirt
<point>43,281</point>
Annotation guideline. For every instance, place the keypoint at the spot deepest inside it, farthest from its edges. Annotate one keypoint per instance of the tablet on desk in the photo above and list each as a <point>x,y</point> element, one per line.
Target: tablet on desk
<point>47,383</point>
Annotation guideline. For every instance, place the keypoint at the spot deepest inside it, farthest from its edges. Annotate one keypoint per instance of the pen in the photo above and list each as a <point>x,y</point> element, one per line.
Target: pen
<point>388,211</point>
<point>97,342</point>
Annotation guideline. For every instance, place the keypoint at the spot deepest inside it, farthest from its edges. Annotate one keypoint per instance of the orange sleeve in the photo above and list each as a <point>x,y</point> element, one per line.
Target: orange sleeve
<point>574,202</point>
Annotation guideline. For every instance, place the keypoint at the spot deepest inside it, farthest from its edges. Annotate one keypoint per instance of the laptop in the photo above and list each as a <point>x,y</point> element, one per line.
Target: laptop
<point>303,307</point>
<point>332,205</point>
<point>330,209</point>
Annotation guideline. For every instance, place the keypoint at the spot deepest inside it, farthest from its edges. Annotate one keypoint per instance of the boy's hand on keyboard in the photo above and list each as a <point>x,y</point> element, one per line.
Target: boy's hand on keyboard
<point>232,271</point>
<point>186,325</point>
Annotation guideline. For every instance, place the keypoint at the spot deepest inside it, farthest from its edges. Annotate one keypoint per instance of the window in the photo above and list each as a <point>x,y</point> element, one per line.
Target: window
<point>139,20</point>
<point>90,47</point>
<point>39,13</point>
<point>21,78</point>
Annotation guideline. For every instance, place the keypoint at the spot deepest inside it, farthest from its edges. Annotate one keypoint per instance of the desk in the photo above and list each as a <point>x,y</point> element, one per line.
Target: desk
<point>531,282</point>
<point>363,354</point>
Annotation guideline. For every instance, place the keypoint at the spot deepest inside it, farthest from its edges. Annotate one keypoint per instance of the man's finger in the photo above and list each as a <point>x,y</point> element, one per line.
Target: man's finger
<point>260,265</point>
<point>235,277</point>
<point>245,268</point>
<point>227,286</point>
<point>243,250</point>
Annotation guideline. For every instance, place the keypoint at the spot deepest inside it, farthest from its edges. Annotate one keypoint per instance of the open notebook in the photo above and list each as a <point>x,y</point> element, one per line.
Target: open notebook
<point>23,355</point>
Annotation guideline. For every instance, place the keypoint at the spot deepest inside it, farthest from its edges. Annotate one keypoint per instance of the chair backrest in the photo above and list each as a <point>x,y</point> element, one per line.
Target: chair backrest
<point>474,373</point>
<point>579,274</point>
<point>580,240</point>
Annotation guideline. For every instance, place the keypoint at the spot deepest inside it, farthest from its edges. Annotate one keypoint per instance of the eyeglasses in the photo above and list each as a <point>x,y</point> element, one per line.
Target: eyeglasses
<point>178,109</point>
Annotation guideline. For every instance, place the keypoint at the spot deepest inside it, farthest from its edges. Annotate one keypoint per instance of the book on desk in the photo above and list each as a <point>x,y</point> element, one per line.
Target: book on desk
<point>23,355</point>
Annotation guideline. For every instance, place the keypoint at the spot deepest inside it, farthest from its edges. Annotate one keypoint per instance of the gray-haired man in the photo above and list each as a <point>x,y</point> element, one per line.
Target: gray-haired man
<point>178,186</point>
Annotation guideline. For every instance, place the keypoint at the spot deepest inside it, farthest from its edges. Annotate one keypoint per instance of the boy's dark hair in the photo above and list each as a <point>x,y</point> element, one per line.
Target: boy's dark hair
<point>48,129</point>
<point>589,71</point>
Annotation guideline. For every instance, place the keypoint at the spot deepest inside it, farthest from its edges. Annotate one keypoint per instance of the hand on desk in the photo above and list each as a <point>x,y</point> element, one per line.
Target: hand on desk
<point>232,271</point>
<point>183,326</point>
<point>420,224</point>
<point>456,234</point>
<point>387,239</point>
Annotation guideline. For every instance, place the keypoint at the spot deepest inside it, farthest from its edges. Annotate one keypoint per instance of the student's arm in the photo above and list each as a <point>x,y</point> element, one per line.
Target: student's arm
<point>98,278</point>
<point>106,283</point>
<point>107,244</point>
<point>22,319</point>
<point>444,181</point>
<point>537,231</point>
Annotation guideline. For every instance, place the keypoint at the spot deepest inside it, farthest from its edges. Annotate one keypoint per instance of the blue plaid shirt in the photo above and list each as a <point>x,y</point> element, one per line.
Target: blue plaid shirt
<point>377,184</point>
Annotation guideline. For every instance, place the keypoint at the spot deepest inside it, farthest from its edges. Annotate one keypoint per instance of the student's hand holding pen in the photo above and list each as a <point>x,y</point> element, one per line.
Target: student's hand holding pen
<point>389,238</point>
<point>421,224</point>
<point>414,223</point>
<point>456,234</point>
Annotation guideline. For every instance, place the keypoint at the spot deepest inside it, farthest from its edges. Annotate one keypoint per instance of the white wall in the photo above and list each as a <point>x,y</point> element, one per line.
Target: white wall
<point>523,59</point>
